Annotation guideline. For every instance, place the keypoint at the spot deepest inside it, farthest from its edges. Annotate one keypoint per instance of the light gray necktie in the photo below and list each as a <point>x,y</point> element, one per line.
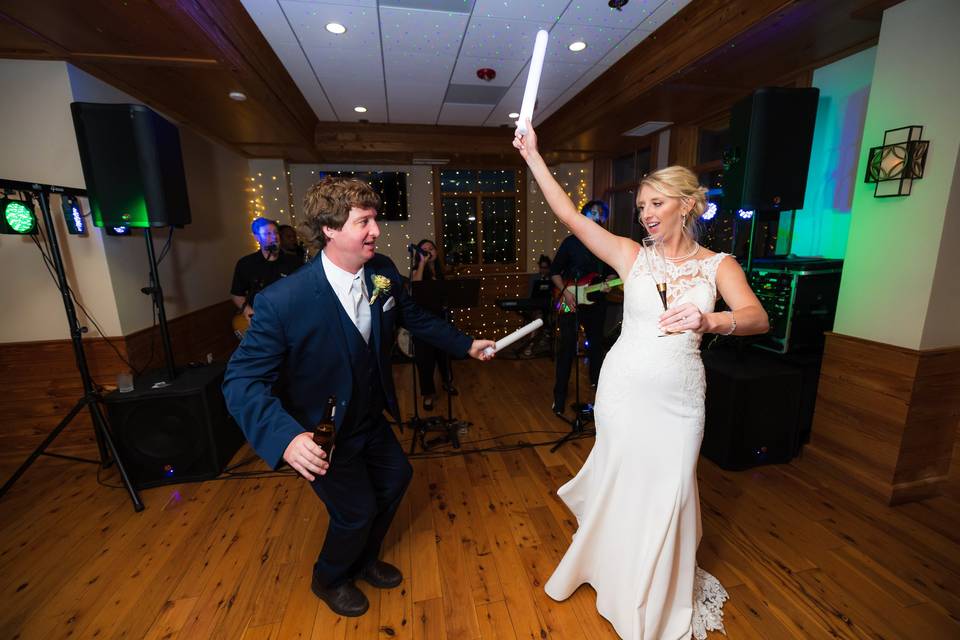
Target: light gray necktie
<point>361,309</point>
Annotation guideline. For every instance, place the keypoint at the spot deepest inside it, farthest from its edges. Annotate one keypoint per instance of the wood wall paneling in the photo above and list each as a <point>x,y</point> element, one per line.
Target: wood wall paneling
<point>887,416</point>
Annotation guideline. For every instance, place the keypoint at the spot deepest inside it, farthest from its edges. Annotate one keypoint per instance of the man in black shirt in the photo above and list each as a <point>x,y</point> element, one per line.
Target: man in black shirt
<point>575,263</point>
<point>261,268</point>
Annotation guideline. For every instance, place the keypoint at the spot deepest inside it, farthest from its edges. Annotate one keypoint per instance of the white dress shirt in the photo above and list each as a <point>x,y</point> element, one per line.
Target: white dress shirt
<point>351,290</point>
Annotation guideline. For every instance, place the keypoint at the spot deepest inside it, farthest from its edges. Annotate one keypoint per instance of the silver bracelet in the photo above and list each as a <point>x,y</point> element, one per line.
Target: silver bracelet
<point>733,323</point>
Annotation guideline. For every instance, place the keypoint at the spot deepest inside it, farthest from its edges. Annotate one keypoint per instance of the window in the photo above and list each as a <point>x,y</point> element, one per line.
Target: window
<point>480,217</point>
<point>628,170</point>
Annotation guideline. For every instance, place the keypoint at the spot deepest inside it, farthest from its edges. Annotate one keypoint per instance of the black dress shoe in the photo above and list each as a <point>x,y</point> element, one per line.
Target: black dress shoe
<point>345,600</point>
<point>381,575</point>
<point>450,389</point>
<point>427,403</point>
<point>557,408</point>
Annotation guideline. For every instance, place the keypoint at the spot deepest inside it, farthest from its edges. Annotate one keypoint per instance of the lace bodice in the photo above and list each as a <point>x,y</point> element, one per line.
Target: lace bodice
<point>693,281</point>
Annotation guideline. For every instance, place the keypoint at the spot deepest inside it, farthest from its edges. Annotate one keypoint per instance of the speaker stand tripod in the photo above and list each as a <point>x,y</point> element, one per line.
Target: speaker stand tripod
<point>90,398</point>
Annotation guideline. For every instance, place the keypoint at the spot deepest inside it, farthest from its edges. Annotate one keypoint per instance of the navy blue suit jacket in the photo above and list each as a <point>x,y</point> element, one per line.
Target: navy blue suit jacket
<point>295,354</point>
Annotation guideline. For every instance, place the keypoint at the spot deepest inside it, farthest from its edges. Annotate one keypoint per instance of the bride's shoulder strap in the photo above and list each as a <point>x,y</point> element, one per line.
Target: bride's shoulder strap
<point>711,264</point>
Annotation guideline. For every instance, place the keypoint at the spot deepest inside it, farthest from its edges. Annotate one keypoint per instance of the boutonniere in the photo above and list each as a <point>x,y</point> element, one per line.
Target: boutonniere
<point>381,284</point>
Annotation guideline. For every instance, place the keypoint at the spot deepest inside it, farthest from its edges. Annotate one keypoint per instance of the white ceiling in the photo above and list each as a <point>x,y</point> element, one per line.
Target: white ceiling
<point>415,61</point>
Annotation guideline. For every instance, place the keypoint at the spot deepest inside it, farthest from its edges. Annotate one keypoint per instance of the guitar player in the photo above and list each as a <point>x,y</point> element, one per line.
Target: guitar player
<point>575,264</point>
<point>258,270</point>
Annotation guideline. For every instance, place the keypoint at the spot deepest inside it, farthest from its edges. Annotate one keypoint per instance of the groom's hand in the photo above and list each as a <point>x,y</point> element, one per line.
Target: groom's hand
<point>306,456</point>
<point>476,349</point>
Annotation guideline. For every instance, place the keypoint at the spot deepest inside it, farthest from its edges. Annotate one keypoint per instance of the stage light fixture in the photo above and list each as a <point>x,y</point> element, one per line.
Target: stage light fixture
<point>73,215</point>
<point>18,217</point>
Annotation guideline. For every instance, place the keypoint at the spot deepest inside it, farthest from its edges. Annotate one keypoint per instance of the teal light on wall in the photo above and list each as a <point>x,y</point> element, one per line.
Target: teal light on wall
<point>894,166</point>
<point>18,217</point>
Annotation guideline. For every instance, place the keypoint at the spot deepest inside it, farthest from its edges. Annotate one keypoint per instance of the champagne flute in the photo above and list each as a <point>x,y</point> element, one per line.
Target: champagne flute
<point>657,266</point>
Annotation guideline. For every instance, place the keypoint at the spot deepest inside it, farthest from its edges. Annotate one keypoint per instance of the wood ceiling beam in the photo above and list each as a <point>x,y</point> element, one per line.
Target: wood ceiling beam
<point>695,31</point>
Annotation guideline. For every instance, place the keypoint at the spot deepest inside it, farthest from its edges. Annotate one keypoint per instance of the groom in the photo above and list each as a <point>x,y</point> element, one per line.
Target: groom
<point>324,331</point>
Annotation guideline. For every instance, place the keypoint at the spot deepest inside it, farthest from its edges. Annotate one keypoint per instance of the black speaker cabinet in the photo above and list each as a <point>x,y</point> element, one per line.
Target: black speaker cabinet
<point>178,433</point>
<point>132,165</point>
<point>752,409</point>
<point>771,134</point>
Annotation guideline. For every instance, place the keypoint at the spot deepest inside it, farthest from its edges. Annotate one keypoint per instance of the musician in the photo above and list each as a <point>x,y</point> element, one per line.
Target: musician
<point>543,290</point>
<point>290,243</point>
<point>261,268</point>
<point>574,263</point>
<point>428,265</point>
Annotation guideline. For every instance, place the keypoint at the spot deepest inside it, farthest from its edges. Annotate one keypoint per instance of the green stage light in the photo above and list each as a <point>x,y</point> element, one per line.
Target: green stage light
<point>18,217</point>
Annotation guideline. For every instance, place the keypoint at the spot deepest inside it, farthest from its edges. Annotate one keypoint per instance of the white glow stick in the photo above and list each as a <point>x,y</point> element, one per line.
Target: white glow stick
<point>533,81</point>
<point>516,335</point>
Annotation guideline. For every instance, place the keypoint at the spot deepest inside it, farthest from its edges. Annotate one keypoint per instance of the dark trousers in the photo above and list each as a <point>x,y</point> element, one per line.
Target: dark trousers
<point>361,492</point>
<point>591,317</point>
<point>428,357</point>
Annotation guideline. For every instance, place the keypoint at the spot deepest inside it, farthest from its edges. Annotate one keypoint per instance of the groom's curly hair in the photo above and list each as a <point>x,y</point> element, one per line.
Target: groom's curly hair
<point>328,203</point>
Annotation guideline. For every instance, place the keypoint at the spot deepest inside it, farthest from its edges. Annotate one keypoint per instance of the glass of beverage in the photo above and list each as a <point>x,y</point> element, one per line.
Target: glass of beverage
<point>657,266</point>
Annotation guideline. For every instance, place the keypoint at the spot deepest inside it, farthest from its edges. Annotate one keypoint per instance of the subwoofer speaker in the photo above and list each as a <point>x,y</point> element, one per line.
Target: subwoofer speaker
<point>771,134</point>
<point>132,165</point>
<point>753,408</point>
<point>178,433</point>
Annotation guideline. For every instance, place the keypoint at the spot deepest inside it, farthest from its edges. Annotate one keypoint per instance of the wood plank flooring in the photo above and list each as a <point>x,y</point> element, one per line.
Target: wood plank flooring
<point>803,555</point>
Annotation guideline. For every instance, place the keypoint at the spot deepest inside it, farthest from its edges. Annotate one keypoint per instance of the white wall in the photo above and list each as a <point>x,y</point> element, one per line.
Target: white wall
<point>40,146</point>
<point>198,270</point>
<point>822,226</point>
<point>108,272</point>
<point>900,262</point>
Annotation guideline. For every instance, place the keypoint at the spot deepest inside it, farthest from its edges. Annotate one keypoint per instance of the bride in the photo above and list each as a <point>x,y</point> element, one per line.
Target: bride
<point>635,498</point>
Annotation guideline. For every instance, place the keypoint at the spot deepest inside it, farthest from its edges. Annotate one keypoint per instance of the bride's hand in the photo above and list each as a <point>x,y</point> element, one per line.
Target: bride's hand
<point>526,144</point>
<point>686,317</point>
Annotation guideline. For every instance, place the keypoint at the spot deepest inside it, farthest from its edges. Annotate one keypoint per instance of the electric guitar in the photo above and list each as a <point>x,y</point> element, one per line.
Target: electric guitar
<point>581,289</point>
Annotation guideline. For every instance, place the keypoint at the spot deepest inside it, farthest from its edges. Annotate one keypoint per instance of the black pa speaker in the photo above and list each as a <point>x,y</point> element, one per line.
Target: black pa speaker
<point>752,409</point>
<point>132,165</point>
<point>178,433</point>
<point>771,134</point>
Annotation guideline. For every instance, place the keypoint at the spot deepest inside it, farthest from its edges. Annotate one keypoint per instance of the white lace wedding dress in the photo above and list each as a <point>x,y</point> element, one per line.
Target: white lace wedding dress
<point>635,498</point>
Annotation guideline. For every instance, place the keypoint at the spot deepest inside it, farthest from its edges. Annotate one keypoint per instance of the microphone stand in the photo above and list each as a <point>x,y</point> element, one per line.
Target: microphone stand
<point>415,423</point>
<point>578,425</point>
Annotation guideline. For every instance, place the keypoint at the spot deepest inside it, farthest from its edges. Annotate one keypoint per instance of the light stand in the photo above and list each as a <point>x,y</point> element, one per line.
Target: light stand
<point>578,425</point>
<point>90,398</point>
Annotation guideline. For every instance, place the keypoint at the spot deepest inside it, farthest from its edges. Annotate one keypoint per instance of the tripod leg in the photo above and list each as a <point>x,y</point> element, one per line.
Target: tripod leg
<point>43,446</point>
<point>99,424</point>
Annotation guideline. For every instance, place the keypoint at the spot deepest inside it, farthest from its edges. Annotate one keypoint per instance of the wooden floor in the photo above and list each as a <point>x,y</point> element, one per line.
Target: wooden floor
<point>802,555</point>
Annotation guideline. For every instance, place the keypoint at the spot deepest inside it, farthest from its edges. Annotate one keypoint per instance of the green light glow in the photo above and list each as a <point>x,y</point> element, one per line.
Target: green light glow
<point>19,217</point>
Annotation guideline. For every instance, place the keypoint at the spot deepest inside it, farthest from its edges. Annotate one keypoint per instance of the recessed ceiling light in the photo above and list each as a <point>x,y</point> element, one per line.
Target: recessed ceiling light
<point>513,115</point>
<point>579,45</point>
<point>360,109</point>
<point>336,27</point>
<point>239,96</point>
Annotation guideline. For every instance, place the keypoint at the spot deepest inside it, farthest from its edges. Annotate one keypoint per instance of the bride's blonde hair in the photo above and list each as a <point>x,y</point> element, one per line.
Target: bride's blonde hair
<point>680,182</point>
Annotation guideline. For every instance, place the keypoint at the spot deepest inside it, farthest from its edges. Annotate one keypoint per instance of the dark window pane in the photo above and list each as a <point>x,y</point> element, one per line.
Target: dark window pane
<point>497,180</point>
<point>712,144</point>
<point>643,162</point>
<point>624,170</point>
<point>459,230</point>
<point>499,230</point>
<point>458,180</point>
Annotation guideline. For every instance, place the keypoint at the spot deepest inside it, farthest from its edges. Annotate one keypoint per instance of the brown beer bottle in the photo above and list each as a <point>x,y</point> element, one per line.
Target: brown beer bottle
<point>324,431</point>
